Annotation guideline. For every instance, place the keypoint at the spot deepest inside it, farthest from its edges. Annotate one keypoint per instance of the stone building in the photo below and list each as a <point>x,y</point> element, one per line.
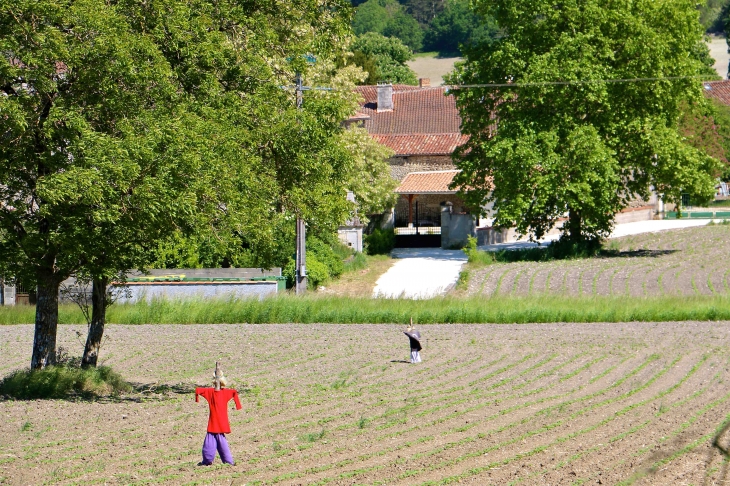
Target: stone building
<point>422,126</point>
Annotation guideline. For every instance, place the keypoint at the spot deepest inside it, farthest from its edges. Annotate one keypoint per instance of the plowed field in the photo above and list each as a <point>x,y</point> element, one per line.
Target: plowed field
<point>333,404</point>
<point>693,261</point>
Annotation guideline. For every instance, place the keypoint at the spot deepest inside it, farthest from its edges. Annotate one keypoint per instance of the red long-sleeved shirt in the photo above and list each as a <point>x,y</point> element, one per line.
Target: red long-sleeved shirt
<point>218,404</point>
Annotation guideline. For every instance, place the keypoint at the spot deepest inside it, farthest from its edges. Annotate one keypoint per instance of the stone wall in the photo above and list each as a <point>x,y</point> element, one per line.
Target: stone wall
<point>401,166</point>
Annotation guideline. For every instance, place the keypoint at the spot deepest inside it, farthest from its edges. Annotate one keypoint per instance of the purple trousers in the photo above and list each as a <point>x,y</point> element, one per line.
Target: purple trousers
<point>216,442</point>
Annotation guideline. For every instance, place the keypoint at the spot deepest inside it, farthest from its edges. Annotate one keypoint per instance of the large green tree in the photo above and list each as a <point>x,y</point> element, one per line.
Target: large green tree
<point>81,92</point>
<point>125,123</point>
<point>561,138</point>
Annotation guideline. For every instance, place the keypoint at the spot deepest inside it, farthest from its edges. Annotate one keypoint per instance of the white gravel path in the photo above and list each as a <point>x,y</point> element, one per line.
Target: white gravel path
<point>420,273</point>
<point>423,273</point>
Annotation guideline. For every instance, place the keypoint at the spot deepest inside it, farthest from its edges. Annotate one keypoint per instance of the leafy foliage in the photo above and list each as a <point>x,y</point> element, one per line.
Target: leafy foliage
<point>380,242</point>
<point>541,151</point>
<point>456,25</point>
<point>129,126</point>
<point>325,261</point>
<point>713,15</point>
<point>390,56</point>
<point>388,17</point>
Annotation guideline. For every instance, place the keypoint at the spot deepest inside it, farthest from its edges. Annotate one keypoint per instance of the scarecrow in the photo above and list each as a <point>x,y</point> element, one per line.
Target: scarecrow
<point>218,426</point>
<point>414,337</point>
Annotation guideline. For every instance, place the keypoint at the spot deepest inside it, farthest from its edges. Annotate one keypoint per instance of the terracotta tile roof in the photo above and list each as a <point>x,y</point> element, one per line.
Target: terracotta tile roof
<point>719,90</point>
<point>435,182</point>
<point>422,143</point>
<point>424,121</point>
<point>415,110</point>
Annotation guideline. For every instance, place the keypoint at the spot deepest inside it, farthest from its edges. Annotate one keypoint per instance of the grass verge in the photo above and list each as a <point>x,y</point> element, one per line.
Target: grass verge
<point>541,308</point>
<point>63,381</point>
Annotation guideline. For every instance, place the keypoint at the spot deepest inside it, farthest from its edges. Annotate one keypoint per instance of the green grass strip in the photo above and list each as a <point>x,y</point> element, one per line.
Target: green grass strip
<point>330,309</point>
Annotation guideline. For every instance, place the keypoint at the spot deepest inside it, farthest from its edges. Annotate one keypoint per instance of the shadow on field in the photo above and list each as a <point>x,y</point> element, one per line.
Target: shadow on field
<point>721,444</point>
<point>400,361</point>
<point>637,253</point>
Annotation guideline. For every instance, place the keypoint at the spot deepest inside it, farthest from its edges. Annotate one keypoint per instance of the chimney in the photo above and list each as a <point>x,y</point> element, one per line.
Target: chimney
<point>385,97</point>
<point>424,82</point>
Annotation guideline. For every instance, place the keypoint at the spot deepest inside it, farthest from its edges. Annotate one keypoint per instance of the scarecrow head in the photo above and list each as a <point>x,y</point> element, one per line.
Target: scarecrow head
<point>219,381</point>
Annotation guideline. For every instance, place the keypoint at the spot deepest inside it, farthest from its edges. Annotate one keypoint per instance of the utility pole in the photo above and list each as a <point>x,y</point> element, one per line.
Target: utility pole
<point>301,256</point>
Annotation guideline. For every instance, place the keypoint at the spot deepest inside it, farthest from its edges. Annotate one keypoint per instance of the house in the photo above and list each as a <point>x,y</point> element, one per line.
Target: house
<point>421,124</point>
<point>422,127</point>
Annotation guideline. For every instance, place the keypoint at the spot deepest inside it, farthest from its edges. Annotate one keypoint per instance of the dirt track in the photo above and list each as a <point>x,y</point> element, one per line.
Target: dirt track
<point>329,404</point>
<point>679,262</point>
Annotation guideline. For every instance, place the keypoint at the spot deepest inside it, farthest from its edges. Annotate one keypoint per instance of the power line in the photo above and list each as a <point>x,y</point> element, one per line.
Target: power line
<point>536,83</point>
<point>574,82</point>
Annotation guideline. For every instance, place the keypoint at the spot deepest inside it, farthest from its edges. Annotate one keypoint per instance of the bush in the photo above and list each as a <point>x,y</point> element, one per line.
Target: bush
<point>380,242</point>
<point>63,381</point>
<point>325,254</point>
<point>317,272</point>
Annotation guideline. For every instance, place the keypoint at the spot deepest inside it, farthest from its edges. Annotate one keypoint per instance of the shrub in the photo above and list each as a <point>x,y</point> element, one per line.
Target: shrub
<point>317,272</point>
<point>380,242</point>
<point>63,381</point>
<point>324,253</point>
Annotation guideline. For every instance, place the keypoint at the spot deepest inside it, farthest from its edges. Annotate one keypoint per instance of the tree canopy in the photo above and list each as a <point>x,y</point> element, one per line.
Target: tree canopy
<point>390,56</point>
<point>561,138</point>
<point>388,17</point>
<point>456,25</point>
<point>127,124</point>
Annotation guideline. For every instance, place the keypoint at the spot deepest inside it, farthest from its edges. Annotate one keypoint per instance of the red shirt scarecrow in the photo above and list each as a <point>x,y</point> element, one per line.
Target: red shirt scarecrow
<point>218,425</point>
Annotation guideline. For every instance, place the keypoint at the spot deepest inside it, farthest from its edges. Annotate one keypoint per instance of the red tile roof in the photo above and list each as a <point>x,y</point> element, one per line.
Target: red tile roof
<point>435,182</point>
<point>422,143</point>
<point>719,90</point>
<point>424,121</point>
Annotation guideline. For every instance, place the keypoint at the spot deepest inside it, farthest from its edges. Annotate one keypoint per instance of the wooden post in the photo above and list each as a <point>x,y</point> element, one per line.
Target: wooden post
<point>218,376</point>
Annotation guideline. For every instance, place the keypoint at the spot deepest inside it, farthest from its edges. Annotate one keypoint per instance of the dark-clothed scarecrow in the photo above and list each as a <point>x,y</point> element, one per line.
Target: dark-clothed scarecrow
<point>414,337</point>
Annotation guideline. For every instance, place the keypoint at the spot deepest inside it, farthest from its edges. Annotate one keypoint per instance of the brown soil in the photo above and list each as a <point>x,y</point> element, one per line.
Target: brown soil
<point>631,403</point>
<point>692,261</point>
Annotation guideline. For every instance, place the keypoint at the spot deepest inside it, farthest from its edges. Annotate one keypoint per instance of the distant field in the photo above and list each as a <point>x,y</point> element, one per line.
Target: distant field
<point>686,262</point>
<point>432,67</point>
<point>718,51</point>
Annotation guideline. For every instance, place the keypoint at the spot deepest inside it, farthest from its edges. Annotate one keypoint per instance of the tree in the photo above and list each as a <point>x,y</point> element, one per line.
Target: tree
<point>559,138</point>
<point>80,94</point>
<point>388,17</point>
<point>124,124</point>
<point>405,28</point>
<point>390,55</point>
<point>424,11</point>
<point>458,24</point>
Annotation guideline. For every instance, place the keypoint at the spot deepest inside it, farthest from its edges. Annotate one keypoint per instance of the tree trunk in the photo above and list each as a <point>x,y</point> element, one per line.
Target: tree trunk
<point>575,233</point>
<point>46,323</point>
<point>98,319</point>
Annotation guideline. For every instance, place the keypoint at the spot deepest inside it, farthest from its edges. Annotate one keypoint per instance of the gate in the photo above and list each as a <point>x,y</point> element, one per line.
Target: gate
<point>425,232</point>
